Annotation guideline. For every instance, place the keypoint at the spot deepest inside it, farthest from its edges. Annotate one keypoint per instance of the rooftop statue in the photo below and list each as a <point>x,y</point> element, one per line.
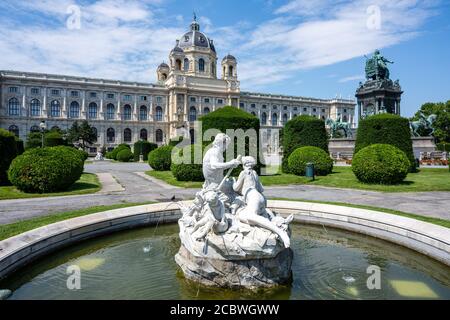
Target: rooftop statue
<point>338,125</point>
<point>376,67</point>
<point>229,237</point>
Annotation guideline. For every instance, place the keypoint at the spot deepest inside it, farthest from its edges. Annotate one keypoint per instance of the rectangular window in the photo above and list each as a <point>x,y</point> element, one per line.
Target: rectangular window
<point>110,96</point>
<point>305,109</point>
<point>92,150</point>
<point>143,98</point>
<point>206,100</point>
<point>55,92</point>
<point>93,94</point>
<point>264,106</point>
<point>253,105</point>
<point>13,89</point>
<point>219,101</point>
<point>193,99</point>
<point>158,99</point>
<point>74,94</point>
<point>241,105</point>
<point>314,110</point>
<point>35,91</point>
<point>127,97</point>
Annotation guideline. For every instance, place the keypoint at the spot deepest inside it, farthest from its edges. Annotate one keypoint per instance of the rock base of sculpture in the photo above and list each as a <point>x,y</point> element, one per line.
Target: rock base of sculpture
<point>235,274</point>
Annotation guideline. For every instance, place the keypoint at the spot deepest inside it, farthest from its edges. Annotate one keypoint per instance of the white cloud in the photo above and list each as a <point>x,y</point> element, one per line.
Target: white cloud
<point>351,78</point>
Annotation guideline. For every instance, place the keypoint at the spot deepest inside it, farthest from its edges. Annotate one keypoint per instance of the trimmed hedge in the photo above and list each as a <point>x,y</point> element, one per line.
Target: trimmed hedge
<point>20,146</point>
<point>298,159</point>
<point>53,139</point>
<point>8,151</point>
<point>188,172</point>
<point>34,140</point>
<point>300,132</point>
<point>119,148</point>
<point>161,159</point>
<point>125,155</point>
<point>380,163</point>
<point>386,128</point>
<point>42,170</point>
<point>144,146</point>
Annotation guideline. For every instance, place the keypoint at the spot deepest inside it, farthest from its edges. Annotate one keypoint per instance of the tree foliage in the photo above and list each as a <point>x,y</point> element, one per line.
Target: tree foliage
<point>442,123</point>
<point>82,134</point>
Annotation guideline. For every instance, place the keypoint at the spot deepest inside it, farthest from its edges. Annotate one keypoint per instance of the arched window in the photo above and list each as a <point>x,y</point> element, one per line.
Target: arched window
<point>230,71</point>
<point>74,110</point>
<point>35,129</point>
<point>110,111</point>
<point>110,135</point>
<point>186,64</point>
<point>263,118</point>
<point>144,135</point>
<point>158,114</point>
<point>14,129</point>
<point>159,135</point>
<point>127,112</point>
<point>213,68</point>
<point>201,65</point>
<point>274,119</point>
<point>35,108</point>
<point>127,135</point>
<point>143,114</point>
<point>96,133</point>
<point>192,114</point>
<point>206,110</point>
<point>55,109</point>
<point>285,118</point>
<point>13,107</point>
<point>344,119</point>
<point>92,110</point>
<point>178,64</point>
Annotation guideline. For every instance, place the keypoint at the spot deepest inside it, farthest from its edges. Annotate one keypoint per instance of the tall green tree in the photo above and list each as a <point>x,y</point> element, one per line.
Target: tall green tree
<point>442,123</point>
<point>82,134</point>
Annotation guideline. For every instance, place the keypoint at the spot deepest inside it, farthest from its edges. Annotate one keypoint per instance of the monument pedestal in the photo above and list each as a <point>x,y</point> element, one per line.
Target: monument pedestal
<point>423,144</point>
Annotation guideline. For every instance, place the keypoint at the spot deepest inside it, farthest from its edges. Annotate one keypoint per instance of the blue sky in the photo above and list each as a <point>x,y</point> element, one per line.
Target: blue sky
<point>298,47</point>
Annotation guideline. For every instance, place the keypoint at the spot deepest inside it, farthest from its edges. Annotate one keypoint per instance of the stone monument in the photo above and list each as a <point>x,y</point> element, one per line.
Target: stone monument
<point>378,94</point>
<point>229,238</point>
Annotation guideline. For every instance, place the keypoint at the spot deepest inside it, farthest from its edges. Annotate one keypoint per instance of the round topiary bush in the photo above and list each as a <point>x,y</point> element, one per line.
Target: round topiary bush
<point>386,128</point>
<point>380,163</point>
<point>34,140</point>
<point>160,159</point>
<point>119,148</point>
<point>303,131</point>
<point>298,159</point>
<point>125,155</point>
<point>188,171</point>
<point>144,148</point>
<point>8,151</point>
<point>43,170</point>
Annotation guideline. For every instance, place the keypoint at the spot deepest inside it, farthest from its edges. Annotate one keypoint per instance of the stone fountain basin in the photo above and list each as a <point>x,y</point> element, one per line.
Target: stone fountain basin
<point>428,239</point>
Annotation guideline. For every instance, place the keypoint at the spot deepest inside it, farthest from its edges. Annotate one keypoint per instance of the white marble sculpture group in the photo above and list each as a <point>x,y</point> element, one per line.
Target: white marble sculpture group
<point>228,236</point>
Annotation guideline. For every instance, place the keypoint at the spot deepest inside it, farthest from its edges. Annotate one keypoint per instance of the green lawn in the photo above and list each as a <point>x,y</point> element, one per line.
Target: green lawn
<point>437,221</point>
<point>10,230</point>
<point>88,183</point>
<point>426,179</point>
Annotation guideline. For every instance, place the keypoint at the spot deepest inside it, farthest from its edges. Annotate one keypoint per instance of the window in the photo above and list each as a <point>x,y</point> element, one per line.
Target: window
<point>143,114</point>
<point>74,110</point>
<point>93,94</point>
<point>159,99</point>
<point>127,97</point>
<point>186,64</point>
<point>314,110</point>
<point>295,108</point>
<point>192,114</point>
<point>275,107</point>
<point>274,119</point>
<point>345,119</point>
<point>206,100</point>
<point>110,96</point>
<point>305,109</point>
<point>220,101</point>
<point>201,65</point>
<point>206,110</point>
<point>264,106</point>
<point>263,118</point>
<point>35,108</point>
<point>34,129</point>
<point>14,130</point>
<point>94,130</point>
<point>285,118</point>
<point>110,135</point>
<point>253,106</point>
<point>144,135</point>
<point>92,150</point>
<point>74,94</point>
<point>110,111</point>
<point>345,110</point>
<point>158,114</point>
<point>193,99</point>
<point>13,107</point>
<point>241,105</point>
<point>323,110</point>
<point>127,135</point>
<point>285,108</point>
<point>230,71</point>
<point>13,90</point>
<point>127,112</point>
<point>159,136</point>
<point>143,98</point>
<point>55,92</point>
<point>178,64</point>
<point>92,110</point>
<point>35,91</point>
<point>55,109</point>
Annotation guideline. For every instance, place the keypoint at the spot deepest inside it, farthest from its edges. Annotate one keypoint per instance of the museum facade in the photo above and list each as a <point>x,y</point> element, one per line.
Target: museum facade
<point>125,112</point>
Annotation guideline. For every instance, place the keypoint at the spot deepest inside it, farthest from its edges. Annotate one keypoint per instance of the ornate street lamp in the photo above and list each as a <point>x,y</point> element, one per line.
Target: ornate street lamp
<point>43,126</point>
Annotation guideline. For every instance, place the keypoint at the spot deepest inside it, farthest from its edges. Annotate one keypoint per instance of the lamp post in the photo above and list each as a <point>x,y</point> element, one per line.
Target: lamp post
<point>43,126</point>
<point>141,156</point>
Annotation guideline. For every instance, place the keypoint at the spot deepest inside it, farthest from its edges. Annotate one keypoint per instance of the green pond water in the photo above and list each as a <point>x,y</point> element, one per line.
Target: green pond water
<point>139,264</point>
